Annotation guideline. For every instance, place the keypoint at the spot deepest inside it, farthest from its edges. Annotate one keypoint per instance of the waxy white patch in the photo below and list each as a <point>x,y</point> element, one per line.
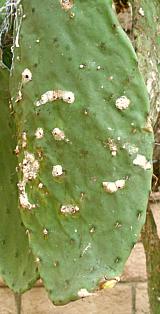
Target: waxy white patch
<point>122,103</point>
<point>45,232</point>
<point>57,171</point>
<point>58,134</point>
<point>142,162</point>
<point>83,293</point>
<point>141,11</point>
<point>30,167</point>
<point>132,149</point>
<point>50,96</point>
<point>39,133</point>
<point>24,139</point>
<point>112,187</point>
<point>112,147</point>
<point>69,209</point>
<point>23,197</point>
<point>66,4</point>
<point>26,76</point>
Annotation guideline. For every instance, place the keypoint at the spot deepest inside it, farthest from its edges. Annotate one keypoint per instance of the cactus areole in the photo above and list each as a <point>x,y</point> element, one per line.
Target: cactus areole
<point>84,152</point>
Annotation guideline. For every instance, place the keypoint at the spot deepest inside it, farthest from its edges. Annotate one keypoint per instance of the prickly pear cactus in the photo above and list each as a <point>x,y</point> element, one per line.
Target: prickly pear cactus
<point>17,264</point>
<point>84,142</point>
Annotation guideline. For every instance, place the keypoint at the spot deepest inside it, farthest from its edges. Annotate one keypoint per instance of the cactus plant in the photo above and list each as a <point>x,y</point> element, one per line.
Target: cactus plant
<point>17,264</point>
<point>84,142</point>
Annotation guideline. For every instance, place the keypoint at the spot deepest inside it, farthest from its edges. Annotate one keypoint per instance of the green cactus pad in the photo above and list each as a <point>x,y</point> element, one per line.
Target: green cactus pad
<point>17,264</point>
<point>85,142</point>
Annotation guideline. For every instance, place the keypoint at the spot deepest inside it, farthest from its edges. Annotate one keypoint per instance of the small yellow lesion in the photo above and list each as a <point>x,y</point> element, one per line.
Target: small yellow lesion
<point>66,4</point>
<point>108,283</point>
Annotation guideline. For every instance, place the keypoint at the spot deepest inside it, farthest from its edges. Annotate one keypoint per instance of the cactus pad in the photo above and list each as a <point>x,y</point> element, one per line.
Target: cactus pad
<point>17,264</point>
<point>84,139</point>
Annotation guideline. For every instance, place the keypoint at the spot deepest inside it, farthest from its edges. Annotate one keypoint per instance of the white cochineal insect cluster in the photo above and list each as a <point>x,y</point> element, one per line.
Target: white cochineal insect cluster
<point>30,167</point>
<point>112,187</point>
<point>50,96</point>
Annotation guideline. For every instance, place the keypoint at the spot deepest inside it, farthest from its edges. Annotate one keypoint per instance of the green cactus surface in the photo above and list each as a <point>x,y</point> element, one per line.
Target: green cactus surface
<point>17,264</point>
<point>84,142</point>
